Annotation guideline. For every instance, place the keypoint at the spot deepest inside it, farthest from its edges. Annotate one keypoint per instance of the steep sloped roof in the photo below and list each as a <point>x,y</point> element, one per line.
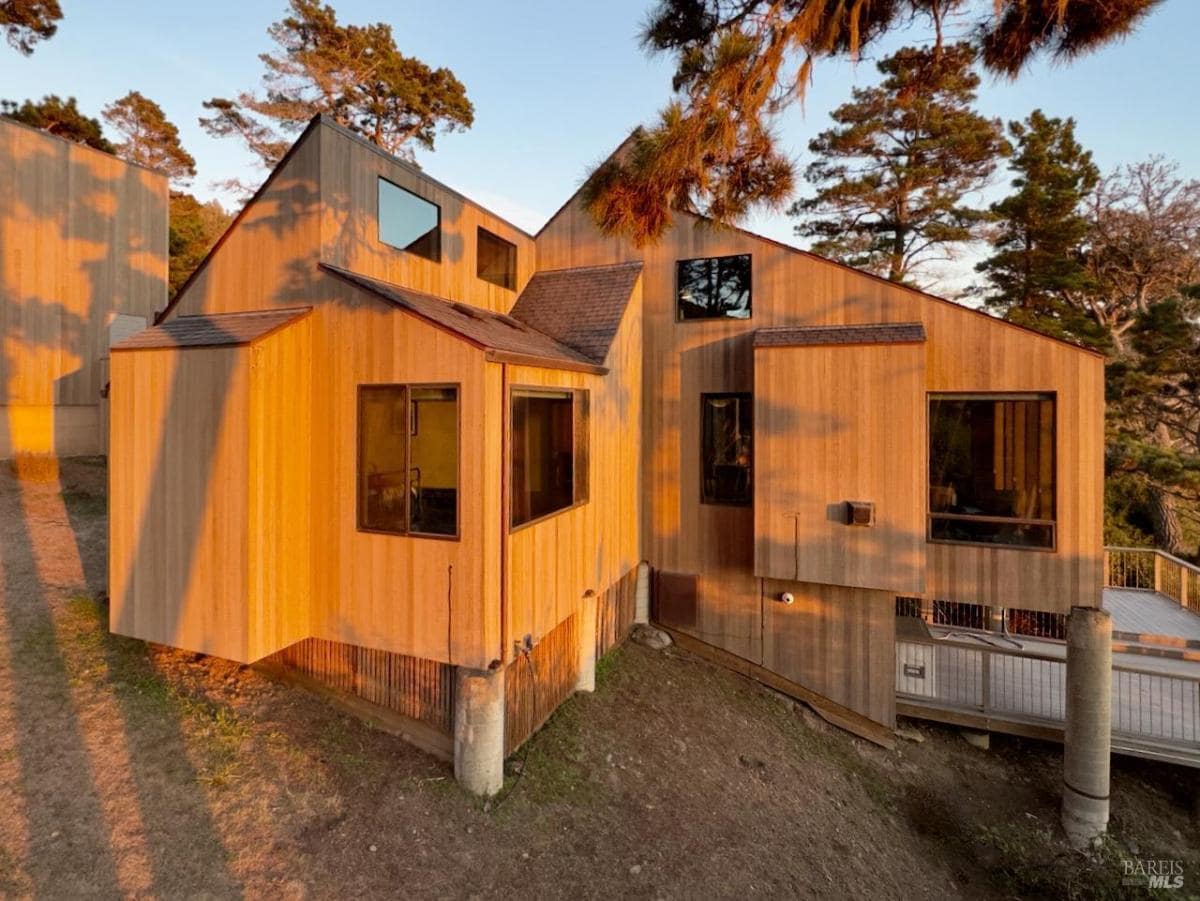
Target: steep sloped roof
<point>212,329</point>
<point>814,335</point>
<point>505,338</point>
<point>582,307</point>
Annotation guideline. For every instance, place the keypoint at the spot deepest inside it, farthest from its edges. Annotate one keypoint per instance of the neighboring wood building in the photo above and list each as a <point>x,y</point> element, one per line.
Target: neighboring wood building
<point>399,447</point>
<point>83,261</point>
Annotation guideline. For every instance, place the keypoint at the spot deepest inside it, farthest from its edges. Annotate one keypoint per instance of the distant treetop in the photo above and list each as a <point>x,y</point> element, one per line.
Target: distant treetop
<point>354,74</point>
<point>151,139</point>
<point>58,117</point>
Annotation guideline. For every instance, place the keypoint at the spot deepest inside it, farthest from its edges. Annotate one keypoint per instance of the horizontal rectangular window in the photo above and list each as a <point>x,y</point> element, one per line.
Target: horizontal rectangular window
<point>408,222</point>
<point>549,442</point>
<point>495,259</point>
<point>992,469</point>
<point>726,448</point>
<point>408,459</point>
<point>713,288</point>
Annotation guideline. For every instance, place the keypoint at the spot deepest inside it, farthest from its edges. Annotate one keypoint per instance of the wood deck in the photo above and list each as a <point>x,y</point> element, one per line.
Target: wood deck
<point>983,681</point>
<point>1148,613</point>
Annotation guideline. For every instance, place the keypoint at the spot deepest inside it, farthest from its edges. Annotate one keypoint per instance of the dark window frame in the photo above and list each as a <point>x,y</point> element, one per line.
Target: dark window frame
<point>679,317</point>
<point>930,515</point>
<point>748,396</point>
<point>580,450</point>
<point>359,513</point>
<point>511,284</point>
<point>380,181</point>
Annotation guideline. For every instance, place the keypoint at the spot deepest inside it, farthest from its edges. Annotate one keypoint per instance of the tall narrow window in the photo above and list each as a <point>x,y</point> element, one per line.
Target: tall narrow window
<point>726,448</point>
<point>549,452</point>
<point>992,469</point>
<point>495,259</point>
<point>713,288</point>
<point>408,222</point>
<point>408,459</point>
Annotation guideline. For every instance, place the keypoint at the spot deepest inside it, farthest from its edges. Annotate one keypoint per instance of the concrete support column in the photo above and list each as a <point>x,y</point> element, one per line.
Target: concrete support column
<point>1088,739</point>
<point>479,730</point>
<point>586,680</point>
<point>641,594</point>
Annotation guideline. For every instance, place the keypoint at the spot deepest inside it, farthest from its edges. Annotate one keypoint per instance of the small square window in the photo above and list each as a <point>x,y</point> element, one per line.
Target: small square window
<point>495,260</point>
<point>408,222</point>
<point>713,288</point>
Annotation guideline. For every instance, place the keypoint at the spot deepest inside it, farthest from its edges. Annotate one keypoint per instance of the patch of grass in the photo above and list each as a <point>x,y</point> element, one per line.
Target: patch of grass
<point>1032,865</point>
<point>34,467</point>
<point>83,503</point>
<point>37,643</point>
<point>123,665</point>
<point>342,746</point>
<point>607,666</point>
<point>553,768</point>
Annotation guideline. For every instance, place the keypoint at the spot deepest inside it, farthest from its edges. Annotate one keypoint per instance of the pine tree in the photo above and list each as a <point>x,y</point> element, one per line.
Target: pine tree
<point>1037,265</point>
<point>1153,444</point>
<point>195,227</point>
<point>354,74</point>
<point>59,117</point>
<point>893,173</point>
<point>151,139</point>
<point>25,22</point>
<point>713,150</point>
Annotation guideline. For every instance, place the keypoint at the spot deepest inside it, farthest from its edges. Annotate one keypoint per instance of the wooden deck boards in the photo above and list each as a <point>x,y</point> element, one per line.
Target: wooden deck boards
<point>1147,613</point>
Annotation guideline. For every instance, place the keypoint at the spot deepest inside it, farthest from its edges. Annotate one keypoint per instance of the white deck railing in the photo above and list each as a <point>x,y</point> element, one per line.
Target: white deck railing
<point>1149,569</point>
<point>1151,710</point>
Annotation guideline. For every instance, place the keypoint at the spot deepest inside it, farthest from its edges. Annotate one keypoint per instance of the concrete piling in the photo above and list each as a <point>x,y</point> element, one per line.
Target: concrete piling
<point>641,594</point>
<point>586,680</point>
<point>1087,744</point>
<point>479,730</point>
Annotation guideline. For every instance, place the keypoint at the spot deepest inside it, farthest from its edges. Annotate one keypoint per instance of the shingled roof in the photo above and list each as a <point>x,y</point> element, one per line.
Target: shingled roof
<point>212,330</point>
<point>582,307</point>
<point>813,335</point>
<point>505,338</point>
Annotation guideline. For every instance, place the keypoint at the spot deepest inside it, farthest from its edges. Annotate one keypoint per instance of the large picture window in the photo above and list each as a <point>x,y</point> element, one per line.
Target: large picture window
<point>549,452</point>
<point>713,288</point>
<point>726,448</point>
<point>495,259</point>
<point>992,469</point>
<point>408,459</point>
<point>408,222</point>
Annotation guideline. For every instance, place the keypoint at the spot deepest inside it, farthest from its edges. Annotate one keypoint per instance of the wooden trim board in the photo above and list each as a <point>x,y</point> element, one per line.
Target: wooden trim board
<point>833,713</point>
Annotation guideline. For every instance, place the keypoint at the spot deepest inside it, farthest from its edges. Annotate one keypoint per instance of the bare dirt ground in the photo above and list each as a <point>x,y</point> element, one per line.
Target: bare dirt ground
<point>127,770</point>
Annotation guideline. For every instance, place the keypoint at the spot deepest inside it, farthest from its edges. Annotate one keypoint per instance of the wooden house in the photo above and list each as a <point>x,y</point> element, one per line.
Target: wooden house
<point>83,262</point>
<point>395,446</point>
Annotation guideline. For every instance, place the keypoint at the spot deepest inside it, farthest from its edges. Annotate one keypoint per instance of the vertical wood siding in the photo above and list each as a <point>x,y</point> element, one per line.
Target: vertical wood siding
<point>422,690</point>
<point>966,352</point>
<point>537,682</point>
<point>83,236</point>
<point>614,613</point>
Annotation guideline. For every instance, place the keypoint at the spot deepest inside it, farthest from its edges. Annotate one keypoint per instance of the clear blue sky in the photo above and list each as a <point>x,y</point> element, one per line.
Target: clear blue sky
<point>556,85</point>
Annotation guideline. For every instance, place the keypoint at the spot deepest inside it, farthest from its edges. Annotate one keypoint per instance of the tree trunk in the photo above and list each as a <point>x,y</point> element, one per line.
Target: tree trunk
<point>1168,531</point>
